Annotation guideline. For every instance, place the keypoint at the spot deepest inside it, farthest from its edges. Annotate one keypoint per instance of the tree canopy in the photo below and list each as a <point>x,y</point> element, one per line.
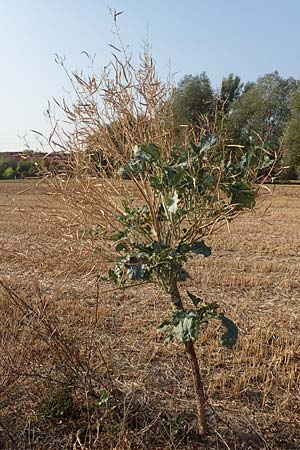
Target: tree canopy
<point>262,113</point>
<point>231,89</point>
<point>193,99</point>
<point>291,141</point>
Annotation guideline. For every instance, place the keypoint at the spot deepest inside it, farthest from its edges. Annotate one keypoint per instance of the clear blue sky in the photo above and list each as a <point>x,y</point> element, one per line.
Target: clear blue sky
<point>246,37</point>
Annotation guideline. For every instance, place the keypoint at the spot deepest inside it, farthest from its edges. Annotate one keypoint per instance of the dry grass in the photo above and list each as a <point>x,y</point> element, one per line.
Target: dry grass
<point>66,338</point>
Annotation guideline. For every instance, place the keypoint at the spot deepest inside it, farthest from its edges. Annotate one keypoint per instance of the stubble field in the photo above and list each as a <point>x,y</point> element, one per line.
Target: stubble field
<point>81,364</point>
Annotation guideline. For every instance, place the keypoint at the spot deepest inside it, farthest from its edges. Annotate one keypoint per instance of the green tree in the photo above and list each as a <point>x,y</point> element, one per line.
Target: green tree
<point>261,113</point>
<point>231,90</point>
<point>27,168</point>
<point>193,100</point>
<point>291,142</point>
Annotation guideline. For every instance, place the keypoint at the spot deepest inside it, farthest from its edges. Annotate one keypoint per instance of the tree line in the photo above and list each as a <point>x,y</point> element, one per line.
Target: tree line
<point>263,113</point>
<point>29,164</point>
<point>13,166</point>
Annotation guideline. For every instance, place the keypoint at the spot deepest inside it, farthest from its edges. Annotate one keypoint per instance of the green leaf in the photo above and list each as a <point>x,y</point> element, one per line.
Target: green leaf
<point>110,276</point>
<point>172,203</point>
<point>242,195</point>
<point>120,247</point>
<point>134,167</point>
<point>200,248</point>
<point>173,176</point>
<point>146,153</point>
<point>164,326</point>
<point>169,339</point>
<point>229,338</point>
<point>267,162</point>
<point>117,236</point>
<point>187,327</point>
<point>205,143</point>
<point>137,269</point>
<point>156,183</point>
<point>207,311</point>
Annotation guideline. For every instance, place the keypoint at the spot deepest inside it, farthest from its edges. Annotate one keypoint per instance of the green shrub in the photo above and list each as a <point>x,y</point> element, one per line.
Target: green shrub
<point>8,173</point>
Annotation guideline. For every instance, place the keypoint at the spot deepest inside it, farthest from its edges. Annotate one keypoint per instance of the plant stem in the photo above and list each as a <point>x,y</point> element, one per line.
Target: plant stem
<point>198,388</point>
<point>175,297</point>
<point>194,364</point>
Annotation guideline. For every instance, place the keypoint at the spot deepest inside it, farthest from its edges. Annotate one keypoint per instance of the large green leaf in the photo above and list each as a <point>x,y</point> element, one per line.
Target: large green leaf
<point>173,176</point>
<point>187,327</point>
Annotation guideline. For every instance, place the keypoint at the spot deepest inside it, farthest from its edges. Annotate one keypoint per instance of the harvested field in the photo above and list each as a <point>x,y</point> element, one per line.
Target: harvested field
<point>81,364</point>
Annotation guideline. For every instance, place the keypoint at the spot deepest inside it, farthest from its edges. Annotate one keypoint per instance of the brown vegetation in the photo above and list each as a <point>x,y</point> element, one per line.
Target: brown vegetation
<point>68,340</point>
